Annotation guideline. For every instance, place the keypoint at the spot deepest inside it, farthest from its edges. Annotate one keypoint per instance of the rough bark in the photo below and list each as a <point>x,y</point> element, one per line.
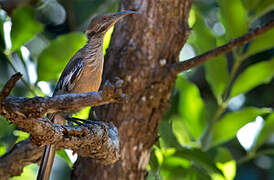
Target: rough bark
<point>143,52</point>
<point>22,154</point>
<point>97,140</point>
<point>142,47</point>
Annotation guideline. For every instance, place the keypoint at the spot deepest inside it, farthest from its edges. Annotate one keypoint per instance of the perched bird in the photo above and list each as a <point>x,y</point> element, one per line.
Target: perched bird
<point>82,74</point>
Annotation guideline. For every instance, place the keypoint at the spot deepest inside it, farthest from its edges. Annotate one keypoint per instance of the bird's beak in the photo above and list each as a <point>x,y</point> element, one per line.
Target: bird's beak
<point>115,18</point>
<point>120,15</point>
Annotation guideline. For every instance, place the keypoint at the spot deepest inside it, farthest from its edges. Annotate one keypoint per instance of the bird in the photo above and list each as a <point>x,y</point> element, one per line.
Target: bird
<point>83,73</point>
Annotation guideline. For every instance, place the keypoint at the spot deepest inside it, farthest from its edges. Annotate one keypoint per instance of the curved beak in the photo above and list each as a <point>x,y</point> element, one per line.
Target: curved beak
<point>124,13</point>
<point>116,17</point>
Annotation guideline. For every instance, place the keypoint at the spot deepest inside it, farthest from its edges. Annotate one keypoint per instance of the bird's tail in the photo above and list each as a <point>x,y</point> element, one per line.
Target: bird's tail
<point>46,163</point>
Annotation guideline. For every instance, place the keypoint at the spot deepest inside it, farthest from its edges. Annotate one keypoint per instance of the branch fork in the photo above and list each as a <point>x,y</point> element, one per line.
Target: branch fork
<point>98,140</point>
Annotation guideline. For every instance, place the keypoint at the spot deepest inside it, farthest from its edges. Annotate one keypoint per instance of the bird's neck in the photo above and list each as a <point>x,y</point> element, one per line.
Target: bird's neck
<point>94,48</point>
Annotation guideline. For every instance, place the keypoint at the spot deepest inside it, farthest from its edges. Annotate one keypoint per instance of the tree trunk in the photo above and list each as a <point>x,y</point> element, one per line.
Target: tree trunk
<point>142,48</point>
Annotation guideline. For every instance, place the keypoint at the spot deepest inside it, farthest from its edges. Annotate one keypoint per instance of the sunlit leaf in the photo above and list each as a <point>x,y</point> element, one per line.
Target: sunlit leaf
<point>21,135</point>
<point>180,131</point>
<point>159,155</point>
<point>192,17</point>
<point>234,17</point>
<point>228,169</point>
<point>2,149</point>
<point>226,164</point>
<point>54,58</point>
<point>253,76</point>
<point>83,114</point>
<point>177,161</point>
<point>29,173</point>
<point>107,38</point>
<point>24,26</point>
<point>266,132</point>
<point>227,127</point>
<point>201,38</point>
<point>191,107</point>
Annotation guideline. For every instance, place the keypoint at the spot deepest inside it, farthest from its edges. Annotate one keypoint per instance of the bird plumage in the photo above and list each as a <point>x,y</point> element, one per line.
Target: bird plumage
<point>83,73</point>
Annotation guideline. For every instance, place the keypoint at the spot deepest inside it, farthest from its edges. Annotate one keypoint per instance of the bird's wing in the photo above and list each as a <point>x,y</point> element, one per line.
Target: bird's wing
<point>69,76</point>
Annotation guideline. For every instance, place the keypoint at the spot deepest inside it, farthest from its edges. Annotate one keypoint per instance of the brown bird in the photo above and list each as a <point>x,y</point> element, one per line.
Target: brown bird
<point>82,74</point>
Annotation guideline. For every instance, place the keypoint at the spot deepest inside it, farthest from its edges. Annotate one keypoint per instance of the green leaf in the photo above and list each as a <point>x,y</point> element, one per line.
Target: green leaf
<point>228,169</point>
<point>264,7</point>
<point>29,172</point>
<point>64,156</point>
<point>223,155</point>
<point>167,138</point>
<point>253,76</point>
<point>200,158</point>
<point>201,38</point>
<point>266,132</point>
<point>226,128</point>
<point>21,135</point>
<point>217,76</point>
<point>107,38</point>
<point>263,42</point>
<point>226,163</point>
<point>191,107</point>
<point>2,149</point>
<point>83,114</point>
<point>2,38</point>
<point>250,4</point>
<point>24,26</point>
<point>54,58</point>
<point>175,161</point>
<point>181,132</point>
<point>154,162</point>
<point>216,69</point>
<point>174,168</point>
<point>234,17</point>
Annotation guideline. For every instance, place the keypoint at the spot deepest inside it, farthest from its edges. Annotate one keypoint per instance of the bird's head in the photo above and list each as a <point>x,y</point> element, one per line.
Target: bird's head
<point>101,23</point>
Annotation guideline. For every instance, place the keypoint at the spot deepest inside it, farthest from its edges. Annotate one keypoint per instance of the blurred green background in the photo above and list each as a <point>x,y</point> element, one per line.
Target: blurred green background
<point>220,124</point>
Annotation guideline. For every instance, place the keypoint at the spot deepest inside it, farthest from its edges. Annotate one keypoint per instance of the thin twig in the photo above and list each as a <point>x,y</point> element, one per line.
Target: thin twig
<point>8,86</point>
<point>195,61</point>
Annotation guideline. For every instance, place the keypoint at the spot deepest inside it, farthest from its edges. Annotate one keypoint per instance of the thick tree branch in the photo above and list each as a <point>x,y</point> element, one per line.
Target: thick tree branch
<point>97,140</point>
<point>195,61</point>
<point>36,107</point>
<point>22,154</point>
<point>94,139</point>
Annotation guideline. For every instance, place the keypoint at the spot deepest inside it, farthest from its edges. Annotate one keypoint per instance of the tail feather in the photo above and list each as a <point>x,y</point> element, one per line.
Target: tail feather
<point>46,163</point>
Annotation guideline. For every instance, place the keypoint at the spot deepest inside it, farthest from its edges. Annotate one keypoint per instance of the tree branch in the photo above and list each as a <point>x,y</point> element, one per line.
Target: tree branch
<point>36,107</point>
<point>22,154</point>
<point>195,61</point>
<point>94,139</point>
<point>8,86</point>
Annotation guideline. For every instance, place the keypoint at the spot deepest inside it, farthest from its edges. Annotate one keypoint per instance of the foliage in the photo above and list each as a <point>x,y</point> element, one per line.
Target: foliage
<point>209,105</point>
<point>201,128</point>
